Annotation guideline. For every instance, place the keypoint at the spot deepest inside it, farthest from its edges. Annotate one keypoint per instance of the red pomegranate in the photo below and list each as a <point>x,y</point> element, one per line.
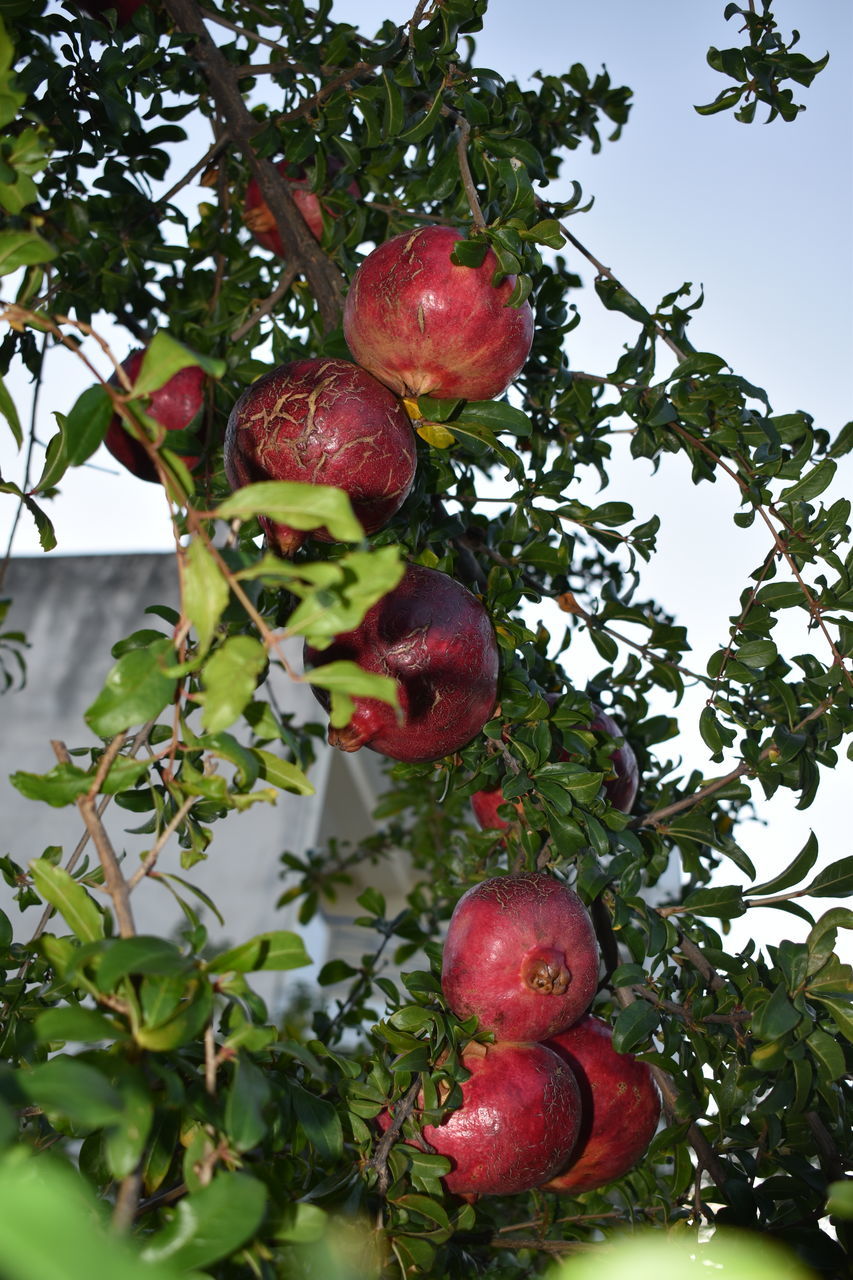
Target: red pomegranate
<point>125,9</point>
<point>434,638</point>
<point>620,787</point>
<point>521,954</point>
<point>259,219</point>
<point>425,326</point>
<point>322,422</point>
<point>177,406</point>
<point>520,1114</point>
<point>620,1107</point>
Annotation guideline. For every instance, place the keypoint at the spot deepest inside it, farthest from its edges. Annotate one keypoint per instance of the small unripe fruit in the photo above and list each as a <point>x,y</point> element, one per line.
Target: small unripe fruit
<point>427,327</point>
<point>177,406</point>
<point>322,422</point>
<point>436,640</point>
<point>621,1107</point>
<point>258,216</point>
<point>521,954</point>
<point>520,1114</point>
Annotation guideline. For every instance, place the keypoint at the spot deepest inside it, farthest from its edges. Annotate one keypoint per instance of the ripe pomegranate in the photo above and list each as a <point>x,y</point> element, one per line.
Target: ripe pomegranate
<point>177,406</point>
<point>322,422</point>
<point>621,1106</point>
<point>521,954</point>
<point>520,1114</point>
<point>620,787</point>
<point>259,219</point>
<point>436,640</point>
<point>425,326</point>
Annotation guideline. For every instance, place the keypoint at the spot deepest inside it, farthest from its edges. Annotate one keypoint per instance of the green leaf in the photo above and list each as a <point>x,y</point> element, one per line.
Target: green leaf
<point>74,1089</point>
<point>634,1026</point>
<point>10,413</point>
<point>230,678</point>
<point>840,1201</point>
<point>812,484</point>
<point>124,1143</point>
<point>725,901</point>
<point>757,654</point>
<point>142,954</point>
<point>305,1224</point>
<point>283,774</point>
<point>205,592</point>
<point>497,415</point>
<point>349,677</point>
<point>829,1054</point>
<point>780,595</point>
<point>136,689</point>
<point>841,1012</point>
<point>301,506</point>
<point>835,881</point>
<point>794,872</point>
<point>65,783</point>
<point>776,1016</point>
<point>211,1223</point>
<point>86,424</point>
<point>23,249</point>
<point>164,357</point>
<point>245,1125</point>
<point>320,1122</point>
<point>277,950</point>
<point>73,1022</point>
<point>70,899</point>
<point>184,1025</point>
<point>426,1207</point>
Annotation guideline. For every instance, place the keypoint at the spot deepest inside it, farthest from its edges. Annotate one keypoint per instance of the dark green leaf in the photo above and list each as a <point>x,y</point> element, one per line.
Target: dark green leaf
<point>278,950</point>
<point>794,872</point>
<point>211,1223</point>
<point>320,1122</point>
<point>137,689</point>
<point>634,1026</point>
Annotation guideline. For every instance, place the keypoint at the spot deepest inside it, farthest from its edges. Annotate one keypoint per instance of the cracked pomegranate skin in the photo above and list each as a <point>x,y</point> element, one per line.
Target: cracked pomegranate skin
<point>175,405</point>
<point>620,1103</point>
<point>322,422</point>
<point>620,789</point>
<point>427,327</point>
<point>521,954</point>
<point>259,219</point>
<point>436,640</point>
<point>520,1114</point>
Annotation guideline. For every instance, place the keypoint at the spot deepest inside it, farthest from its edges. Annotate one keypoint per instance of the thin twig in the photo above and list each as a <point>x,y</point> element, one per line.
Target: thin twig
<point>265,307</point>
<point>162,840</point>
<point>127,1200</point>
<point>464,130</point>
<point>402,1110</point>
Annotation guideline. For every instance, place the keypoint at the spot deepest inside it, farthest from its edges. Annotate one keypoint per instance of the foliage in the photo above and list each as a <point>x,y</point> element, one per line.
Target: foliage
<point>219,1142</point>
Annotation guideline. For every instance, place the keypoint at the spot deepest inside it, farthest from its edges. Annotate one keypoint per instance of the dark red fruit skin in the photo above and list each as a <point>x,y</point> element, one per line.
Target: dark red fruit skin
<point>259,219</point>
<point>521,954</point>
<point>620,789</point>
<point>323,422</point>
<point>434,638</point>
<point>174,406</point>
<point>427,327</point>
<point>125,9</point>
<point>620,1102</point>
<point>520,1114</point>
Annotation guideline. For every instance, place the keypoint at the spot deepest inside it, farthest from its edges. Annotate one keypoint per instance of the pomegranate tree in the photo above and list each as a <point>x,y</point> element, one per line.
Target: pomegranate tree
<point>322,422</point>
<point>258,216</point>
<point>177,406</point>
<point>435,639</point>
<point>520,1114</point>
<point>620,786</point>
<point>521,954</point>
<point>620,1106</point>
<point>427,327</point>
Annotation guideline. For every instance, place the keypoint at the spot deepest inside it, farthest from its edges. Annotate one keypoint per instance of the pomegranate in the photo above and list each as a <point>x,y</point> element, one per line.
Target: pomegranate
<point>621,1106</point>
<point>434,638</point>
<point>521,954</point>
<point>177,406</point>
<point>620,787</point>
<point>520,1114</point>
<point>427,327</point>
<point>322,422</point>
<point>259,219</point>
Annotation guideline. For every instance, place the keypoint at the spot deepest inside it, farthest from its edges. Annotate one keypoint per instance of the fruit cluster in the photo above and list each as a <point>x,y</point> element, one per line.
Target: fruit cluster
<point>551,1103</point>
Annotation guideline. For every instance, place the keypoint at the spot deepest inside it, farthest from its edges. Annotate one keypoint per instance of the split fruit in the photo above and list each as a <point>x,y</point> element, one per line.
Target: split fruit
<point>435,639</point>
<point>620,1107</point>
<point>520,1114</point>
<point>311,204</point>
<point>427,327</point>
<point>322,422</point>
<point>177,406</point>
<point>521,954</point>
